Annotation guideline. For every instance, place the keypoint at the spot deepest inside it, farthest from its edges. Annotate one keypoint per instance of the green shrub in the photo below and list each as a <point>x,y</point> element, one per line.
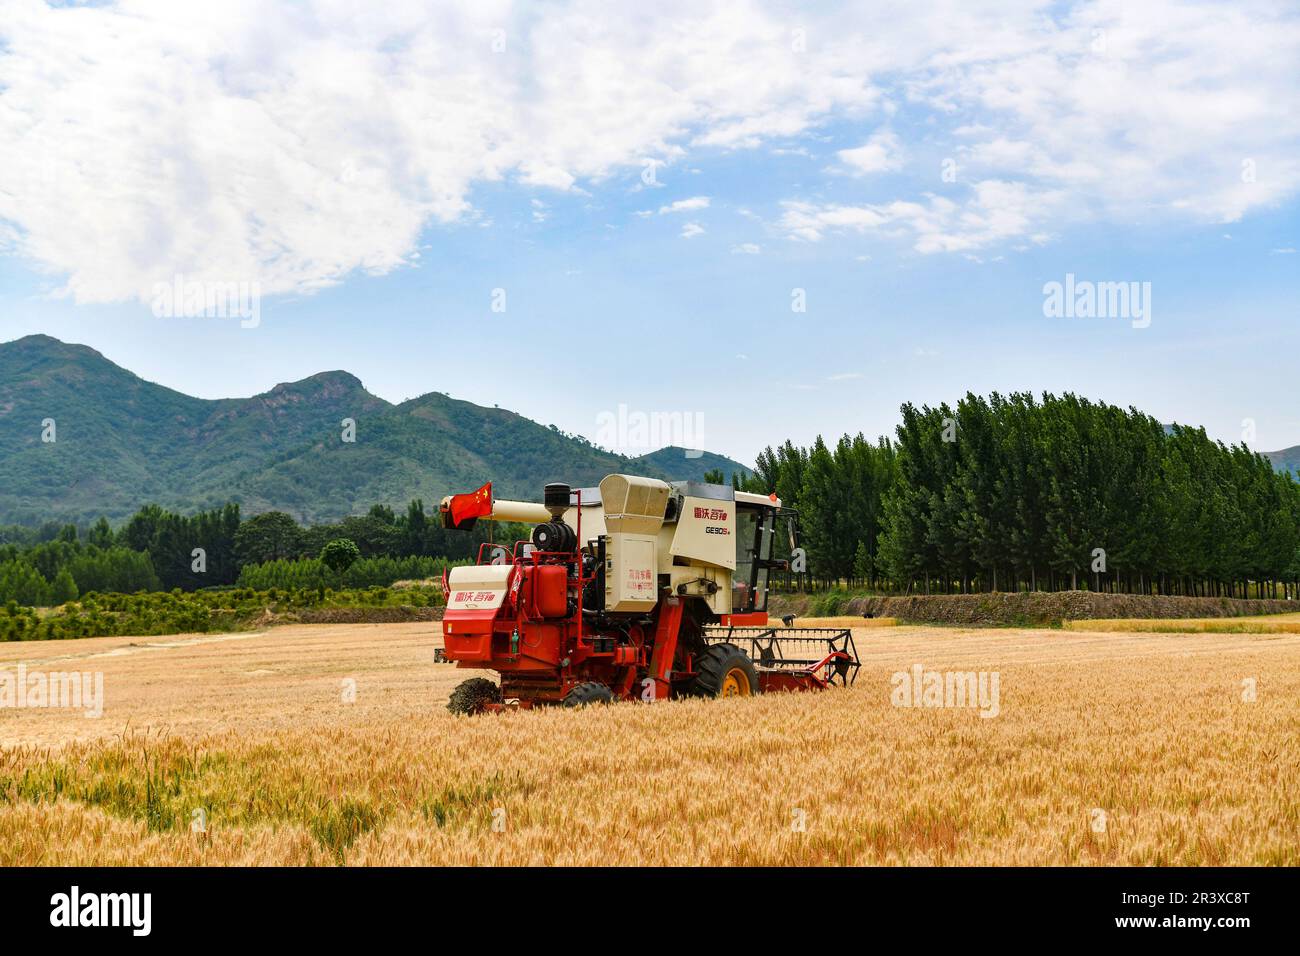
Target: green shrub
<point>154,613</point>
<point>363,573</point>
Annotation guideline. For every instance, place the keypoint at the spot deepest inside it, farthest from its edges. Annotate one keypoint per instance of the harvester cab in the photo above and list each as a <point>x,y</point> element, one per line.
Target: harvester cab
<point>639,589</point>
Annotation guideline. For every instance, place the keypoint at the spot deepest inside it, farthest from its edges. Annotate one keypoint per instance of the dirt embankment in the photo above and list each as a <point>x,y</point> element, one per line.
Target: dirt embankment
<point>1039,609</point>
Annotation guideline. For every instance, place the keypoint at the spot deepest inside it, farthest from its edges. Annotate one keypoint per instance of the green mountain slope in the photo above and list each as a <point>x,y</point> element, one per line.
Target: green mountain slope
<point>1288,459</point>
<point>682,464</point>
<point>122,441</point>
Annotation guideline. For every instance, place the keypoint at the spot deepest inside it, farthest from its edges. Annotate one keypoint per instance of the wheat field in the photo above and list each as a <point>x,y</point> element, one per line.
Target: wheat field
<point>328,745</point>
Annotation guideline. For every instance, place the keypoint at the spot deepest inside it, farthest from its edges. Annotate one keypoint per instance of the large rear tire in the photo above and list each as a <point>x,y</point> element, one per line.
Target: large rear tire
<point>470,696</point>
<point>724,670</point>
<point>591,692</point>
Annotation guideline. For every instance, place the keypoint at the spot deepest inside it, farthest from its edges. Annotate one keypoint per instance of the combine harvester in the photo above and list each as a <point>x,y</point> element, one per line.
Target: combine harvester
<point>637,590</point>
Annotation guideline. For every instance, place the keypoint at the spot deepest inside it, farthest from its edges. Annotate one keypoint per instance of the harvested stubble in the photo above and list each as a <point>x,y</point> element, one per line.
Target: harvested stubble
<point>1151,729</point>
<point>843,620</point>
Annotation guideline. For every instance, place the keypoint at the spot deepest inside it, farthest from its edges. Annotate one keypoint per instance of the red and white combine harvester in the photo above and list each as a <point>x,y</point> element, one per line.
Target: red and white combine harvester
<point>637,590</point>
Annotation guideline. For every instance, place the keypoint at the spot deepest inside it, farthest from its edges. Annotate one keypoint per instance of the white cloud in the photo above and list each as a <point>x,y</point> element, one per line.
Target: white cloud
<point>1287,251</point>
<point>881,153</point>
<point>747,249</point>
<point>844,377</point>
<point>1108,110</point>
<point>994,211</point>
<point>685,205</point>
<point>691,230</point>
<point>809,221</point>
<point>295,144</point>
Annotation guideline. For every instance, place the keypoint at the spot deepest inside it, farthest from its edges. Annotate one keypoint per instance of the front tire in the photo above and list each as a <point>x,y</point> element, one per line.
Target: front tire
<point>591,692</point>
<point>470,696</point>
<point>724,670</point>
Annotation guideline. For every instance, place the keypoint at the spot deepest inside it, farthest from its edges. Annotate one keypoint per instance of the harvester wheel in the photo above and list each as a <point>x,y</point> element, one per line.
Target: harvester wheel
<point>588,693</point>
<point>470,696</point>
<point>724,670</point>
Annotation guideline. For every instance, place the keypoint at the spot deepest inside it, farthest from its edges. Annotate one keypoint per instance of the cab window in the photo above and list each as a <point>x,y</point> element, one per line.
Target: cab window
<point>753,552</point>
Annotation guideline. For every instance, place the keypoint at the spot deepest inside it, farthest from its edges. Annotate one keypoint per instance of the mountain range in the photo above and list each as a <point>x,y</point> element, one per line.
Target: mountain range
<point>83,437</point>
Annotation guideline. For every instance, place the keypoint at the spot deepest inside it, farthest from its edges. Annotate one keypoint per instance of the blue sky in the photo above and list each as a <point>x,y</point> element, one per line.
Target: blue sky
<point>380,200</point>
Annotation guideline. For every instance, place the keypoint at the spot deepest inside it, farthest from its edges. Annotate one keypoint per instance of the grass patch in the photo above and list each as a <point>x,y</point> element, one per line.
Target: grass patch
<point>456,804</point>
<point>1209,625</point>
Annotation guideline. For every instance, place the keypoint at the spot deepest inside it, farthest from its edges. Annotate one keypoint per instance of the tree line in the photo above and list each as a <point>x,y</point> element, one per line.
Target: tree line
<point>1000,493</point>
<point>1018,493</point>
<point>160,550</point>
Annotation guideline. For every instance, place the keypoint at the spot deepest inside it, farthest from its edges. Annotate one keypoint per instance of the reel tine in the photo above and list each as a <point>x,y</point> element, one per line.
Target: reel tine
<point>767,648</point>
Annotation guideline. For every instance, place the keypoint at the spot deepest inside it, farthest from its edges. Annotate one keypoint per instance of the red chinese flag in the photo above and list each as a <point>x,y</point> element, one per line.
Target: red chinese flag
<point>477,504</point>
